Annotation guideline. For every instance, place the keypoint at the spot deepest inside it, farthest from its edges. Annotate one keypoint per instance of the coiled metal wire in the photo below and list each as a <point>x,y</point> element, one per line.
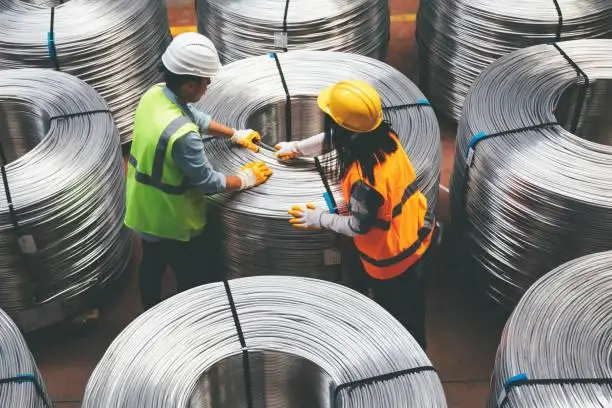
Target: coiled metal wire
<point>248,28</point>
<point>16,361</point>
<point>303,339</point>
<point>560,330</point>
<point>458,39</point>
<point>65,178</point>
<point>249,94</point>
<point>114,46</point>
<point>537,198</point>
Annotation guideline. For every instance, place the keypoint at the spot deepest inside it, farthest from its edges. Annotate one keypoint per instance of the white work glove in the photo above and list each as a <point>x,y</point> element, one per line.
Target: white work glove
<point>253,174</point>
<point>287,150</point>
<point>247,138</point>
<point>306,219</point>
<point>310,147</point>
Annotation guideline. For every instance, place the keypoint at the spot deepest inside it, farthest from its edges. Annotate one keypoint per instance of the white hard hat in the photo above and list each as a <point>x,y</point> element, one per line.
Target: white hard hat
<point>192,54</point>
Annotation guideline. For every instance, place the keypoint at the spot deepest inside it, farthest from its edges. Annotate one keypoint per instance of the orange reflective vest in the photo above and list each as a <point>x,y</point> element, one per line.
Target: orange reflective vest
<point>404,226</point>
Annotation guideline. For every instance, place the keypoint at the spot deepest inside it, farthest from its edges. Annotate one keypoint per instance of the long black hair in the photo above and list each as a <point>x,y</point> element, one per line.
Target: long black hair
<point>367,149</point>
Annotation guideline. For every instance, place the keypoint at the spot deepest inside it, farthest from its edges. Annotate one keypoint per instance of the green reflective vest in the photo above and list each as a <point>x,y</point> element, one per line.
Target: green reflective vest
<point>159,199</point>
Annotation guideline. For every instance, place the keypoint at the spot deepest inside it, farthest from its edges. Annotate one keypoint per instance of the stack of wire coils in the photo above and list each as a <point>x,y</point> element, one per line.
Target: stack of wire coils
<point>248,28</point>
<point>272,341</point>
<point>458,39</point>
<point>20,382</point>
<point>250,94</point>
<point>531,186</point>
<point>115,46</point>
<point>555,349</point>
<point>61,196</point>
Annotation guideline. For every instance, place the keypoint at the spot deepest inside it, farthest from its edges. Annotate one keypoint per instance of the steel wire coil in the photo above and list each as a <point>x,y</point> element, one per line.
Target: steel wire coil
<point>535,199</point>
<point>458,39</point>
<point>66,181</point>
<point>303,340</point>
<point>115,46</point>
<point>248,28</point>
<point>16,362</point>
<point>249,94</point>
<point>560,330</point>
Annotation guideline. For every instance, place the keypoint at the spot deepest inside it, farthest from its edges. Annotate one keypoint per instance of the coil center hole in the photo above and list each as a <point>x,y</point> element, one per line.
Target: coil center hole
<point>279,380</point>
<point>595,121</point>
<point>270,120</point>
<point>22,127</point>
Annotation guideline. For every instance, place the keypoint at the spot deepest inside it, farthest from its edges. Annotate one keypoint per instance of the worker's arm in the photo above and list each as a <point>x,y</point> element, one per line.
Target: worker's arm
<point>310,147</point>
<point>247,138</point>
<point>189,155</point>
<point>363,209</point>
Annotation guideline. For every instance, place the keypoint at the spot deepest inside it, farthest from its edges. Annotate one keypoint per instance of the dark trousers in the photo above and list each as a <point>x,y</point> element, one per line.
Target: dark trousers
<point>191,262</point>
<point>404,298</point>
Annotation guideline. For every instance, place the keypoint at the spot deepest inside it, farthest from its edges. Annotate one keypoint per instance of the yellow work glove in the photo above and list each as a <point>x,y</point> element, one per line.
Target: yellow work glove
<point>254,174</point>
<point>287,151</point>
<point>306,219</point>
<point>247,138</point>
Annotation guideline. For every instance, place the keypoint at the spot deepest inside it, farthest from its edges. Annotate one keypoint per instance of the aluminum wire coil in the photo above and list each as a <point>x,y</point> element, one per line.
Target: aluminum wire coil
<point>537,198</point>
<point>560,330</point>
<point>114,46</point>
<point>248,28</point>
<point>17,361</point>
<point>66,180</point>
<point>303,339</point>
<point>458,39</point>
<point>249,94</point>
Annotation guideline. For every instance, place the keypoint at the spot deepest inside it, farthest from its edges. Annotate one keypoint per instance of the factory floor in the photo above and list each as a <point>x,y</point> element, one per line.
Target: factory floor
<point>463,328</point>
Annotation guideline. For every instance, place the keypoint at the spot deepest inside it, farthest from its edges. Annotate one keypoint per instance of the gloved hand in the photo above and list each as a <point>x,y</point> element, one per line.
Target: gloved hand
<point>247,138</point>
<point>306,219</point>
<point>287,151</point>
<point>254,174</point>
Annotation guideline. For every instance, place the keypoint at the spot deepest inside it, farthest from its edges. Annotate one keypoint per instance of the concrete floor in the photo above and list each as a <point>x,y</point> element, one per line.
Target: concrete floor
<point>463,328</point>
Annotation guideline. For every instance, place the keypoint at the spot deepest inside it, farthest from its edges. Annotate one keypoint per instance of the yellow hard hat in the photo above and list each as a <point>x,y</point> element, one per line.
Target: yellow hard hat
<point>355,105</point>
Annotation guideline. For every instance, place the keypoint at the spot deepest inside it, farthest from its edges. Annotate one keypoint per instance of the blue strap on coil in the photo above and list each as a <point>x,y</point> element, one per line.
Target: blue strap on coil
<point>51,41</point>
<point>28,378</point>
<point>521,380</point>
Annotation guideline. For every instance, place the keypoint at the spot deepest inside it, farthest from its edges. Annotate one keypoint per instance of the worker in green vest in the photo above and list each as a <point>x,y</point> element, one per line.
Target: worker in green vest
<point>169,173</point>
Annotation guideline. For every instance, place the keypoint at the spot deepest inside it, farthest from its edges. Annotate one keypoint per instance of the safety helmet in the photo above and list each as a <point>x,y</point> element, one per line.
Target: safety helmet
<point>192,54</point>
<point>353,104</point>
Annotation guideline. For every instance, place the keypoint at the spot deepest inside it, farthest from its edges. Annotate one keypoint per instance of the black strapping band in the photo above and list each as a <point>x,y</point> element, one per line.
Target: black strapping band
<point>285,25</point>
<point>245,352</point>
<point>560,25</point>
<point>51,41</point>
<point>379,378</point>
<point>31,379</point>
<point>583,91</point>
<point>72,115</point>
<point>418,104</point>
<point>329,197</point>
<point>522,380</point>
<point>13,216</point>
<point>288,132</point>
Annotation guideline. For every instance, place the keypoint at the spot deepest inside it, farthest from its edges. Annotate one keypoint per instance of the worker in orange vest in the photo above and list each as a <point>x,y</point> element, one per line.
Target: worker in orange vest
<point>388,217</point>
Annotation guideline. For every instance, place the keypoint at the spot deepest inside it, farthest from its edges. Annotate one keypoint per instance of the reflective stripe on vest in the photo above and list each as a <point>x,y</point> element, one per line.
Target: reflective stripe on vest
<point>423,234</point>
<point>155,179</point>
<point>397,210</point>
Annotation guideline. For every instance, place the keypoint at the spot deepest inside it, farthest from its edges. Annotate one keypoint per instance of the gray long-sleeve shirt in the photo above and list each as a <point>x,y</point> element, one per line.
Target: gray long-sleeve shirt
<point>189,155</point>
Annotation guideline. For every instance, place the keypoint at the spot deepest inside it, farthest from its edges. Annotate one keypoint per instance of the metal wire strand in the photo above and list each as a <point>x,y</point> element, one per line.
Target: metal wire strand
<point>114,46</point>
<point>537,198</point>
<point>458,39</point>
<point>560,330</point>
<point>249,94</point>
<point>17,361</point>
<point>303,338</point>
<point>65,177</point>
<point>247,28</point>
